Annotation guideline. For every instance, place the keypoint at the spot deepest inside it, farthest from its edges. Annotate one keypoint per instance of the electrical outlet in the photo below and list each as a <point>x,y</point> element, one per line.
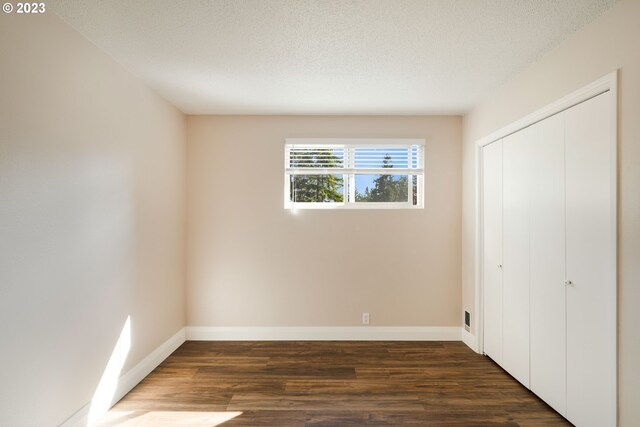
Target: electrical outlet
<point>365,318</point>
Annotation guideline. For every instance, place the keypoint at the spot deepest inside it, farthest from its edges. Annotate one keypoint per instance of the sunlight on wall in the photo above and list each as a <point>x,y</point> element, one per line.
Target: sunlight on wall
<point>104,395</point>
<point>166,418</point>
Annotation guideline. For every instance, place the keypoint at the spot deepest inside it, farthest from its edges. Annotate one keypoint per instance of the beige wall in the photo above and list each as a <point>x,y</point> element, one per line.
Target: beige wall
<point>92,200</point>
<point>253,263</point>
<point>92,168</point>
<point>611,42</point>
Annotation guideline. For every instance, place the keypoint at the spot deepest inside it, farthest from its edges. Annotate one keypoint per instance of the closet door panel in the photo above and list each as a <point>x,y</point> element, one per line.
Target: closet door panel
<point>591,324</point>
<point>547,258</point>
<point>492,254</point>
<point>515,307</point>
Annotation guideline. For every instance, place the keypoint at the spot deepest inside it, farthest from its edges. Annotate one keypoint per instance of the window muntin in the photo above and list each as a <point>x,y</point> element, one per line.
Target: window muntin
<point>348,173</point>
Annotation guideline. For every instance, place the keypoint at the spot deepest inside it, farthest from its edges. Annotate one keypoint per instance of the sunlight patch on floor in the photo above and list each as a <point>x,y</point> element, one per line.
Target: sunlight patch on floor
<point>165,418</point>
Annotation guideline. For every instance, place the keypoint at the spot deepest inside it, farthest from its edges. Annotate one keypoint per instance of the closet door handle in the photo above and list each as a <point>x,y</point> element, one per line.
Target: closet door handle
<point>499,265</point>
<point>568,282</point>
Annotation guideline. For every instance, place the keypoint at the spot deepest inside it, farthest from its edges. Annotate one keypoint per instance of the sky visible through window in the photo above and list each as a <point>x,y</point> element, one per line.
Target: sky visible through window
<point>373,158</point>
<point>366,181</point>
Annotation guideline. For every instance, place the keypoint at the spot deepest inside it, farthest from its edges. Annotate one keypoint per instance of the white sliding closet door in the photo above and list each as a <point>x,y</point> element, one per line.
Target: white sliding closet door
<point>547,258</point>
<point>515,304</point>
<point>591,324</point>
<point>492,254</point>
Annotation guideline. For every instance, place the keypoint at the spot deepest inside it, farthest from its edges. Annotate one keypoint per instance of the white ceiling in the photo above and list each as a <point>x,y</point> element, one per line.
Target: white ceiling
<point>326,56</point>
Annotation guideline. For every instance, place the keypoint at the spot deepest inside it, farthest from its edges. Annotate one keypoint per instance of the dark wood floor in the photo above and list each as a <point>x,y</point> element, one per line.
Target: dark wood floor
<point>329,384</point>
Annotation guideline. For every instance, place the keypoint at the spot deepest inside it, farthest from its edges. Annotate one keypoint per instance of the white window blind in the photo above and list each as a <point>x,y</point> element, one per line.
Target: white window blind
<point>362,173</point>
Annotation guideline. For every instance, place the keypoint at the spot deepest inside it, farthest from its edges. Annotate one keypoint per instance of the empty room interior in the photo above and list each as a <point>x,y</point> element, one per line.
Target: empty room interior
<point>320,213</point>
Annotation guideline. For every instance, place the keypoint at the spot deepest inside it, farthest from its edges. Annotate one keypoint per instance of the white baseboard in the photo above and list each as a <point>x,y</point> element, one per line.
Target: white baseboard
<point>469,340</point>
<point>80,418</point>
<point>331,333</point>
<point>136,374</point>
<point>131,378</point>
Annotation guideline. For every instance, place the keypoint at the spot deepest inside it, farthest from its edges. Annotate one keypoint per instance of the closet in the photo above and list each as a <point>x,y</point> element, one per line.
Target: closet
<point>548,289</point>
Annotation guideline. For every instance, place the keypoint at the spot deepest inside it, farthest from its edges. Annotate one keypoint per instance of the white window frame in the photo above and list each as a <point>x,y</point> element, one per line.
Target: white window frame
<point>349,171</point>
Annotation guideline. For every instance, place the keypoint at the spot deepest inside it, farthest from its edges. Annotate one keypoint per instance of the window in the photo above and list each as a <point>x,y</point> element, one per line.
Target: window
<point>354,173</point>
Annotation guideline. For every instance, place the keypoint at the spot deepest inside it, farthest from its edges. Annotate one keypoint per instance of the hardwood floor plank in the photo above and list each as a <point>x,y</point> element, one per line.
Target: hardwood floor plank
<point>330,384</point>
<point>315,401</point>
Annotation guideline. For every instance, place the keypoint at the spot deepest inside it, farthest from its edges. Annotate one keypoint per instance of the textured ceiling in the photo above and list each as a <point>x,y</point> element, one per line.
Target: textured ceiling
<point>326,56</point>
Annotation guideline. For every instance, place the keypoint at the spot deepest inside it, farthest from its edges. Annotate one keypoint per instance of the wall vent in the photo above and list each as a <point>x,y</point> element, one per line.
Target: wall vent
<point>467,321</point>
